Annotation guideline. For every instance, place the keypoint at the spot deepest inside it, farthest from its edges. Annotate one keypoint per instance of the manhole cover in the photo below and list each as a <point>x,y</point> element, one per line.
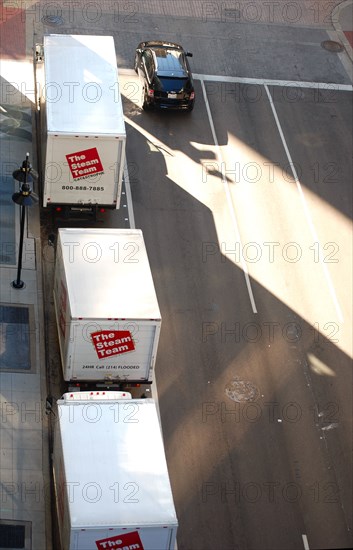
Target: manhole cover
<point>241,390</point>
<point>52,20</point>
<point>332,46</point>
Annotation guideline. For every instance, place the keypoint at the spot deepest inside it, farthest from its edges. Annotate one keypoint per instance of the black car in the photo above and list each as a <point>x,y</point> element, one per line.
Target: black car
<point>166,77</point>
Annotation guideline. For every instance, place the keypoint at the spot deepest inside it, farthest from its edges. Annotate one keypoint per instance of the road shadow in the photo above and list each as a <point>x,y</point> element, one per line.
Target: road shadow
<point>253,406</point>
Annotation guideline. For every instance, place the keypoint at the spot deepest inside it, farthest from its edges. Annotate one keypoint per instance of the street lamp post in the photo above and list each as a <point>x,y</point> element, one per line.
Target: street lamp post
<point>24,197</point>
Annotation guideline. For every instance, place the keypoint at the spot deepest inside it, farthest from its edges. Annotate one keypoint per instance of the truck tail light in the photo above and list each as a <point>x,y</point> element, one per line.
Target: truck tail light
<point>150,92</point>
<point>102,210</point>
<point>58,209</point>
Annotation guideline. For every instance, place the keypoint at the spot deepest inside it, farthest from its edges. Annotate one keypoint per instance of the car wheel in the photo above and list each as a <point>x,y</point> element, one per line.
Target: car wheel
<point>190,108</point>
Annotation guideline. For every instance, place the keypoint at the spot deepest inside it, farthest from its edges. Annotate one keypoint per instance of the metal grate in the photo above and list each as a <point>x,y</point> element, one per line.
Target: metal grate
<point>5,259</point>
<point>7,211</point>
<point>12,537</point>
<point>15,534</point>
<point>15,338</point>
<point>13,314</point>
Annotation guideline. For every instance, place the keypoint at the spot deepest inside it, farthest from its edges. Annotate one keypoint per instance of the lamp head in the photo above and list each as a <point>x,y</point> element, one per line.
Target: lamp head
<point>25,173</point>
<point>25,197</point>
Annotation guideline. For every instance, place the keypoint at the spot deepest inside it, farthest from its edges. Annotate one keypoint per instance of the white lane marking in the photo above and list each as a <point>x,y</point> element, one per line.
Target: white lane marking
<point>262,81</point>
<point>305,542</point>
<point>229,201</point>
<point>266,81</point>
<point>130,208</point>
<point>306,208</point>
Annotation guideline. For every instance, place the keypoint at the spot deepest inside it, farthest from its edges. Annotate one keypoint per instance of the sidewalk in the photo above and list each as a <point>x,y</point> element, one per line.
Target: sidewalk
<point>24,455</point>
<point>342,19</point>
<point>24,452</point>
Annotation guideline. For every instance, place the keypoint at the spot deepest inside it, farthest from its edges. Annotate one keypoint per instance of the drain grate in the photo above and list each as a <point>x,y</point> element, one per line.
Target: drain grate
<point>332,46</point>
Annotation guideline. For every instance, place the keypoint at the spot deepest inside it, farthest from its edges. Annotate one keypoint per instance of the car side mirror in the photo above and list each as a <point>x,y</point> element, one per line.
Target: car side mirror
<point>188,54</point>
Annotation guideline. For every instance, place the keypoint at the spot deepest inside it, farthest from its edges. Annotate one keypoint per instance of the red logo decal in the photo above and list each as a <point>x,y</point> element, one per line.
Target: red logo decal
<point>112,342</point>
<point>129,541</point>
<point>85,163</point>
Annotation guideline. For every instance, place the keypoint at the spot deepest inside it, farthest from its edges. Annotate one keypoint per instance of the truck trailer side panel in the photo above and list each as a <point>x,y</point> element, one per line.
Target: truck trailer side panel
<point>61,491</point>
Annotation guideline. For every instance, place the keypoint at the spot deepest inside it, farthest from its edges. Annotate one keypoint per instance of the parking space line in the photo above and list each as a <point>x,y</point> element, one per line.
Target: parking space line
<point>305,542</point>
<point>305,207</point>
<point>331,86</point>
<point>284,83</point>
<point>229,201</point>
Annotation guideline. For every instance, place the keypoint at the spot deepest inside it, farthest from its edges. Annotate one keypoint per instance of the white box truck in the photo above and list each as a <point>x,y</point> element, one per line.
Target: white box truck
<point>82,123</point>
<point>106,307</point>
<point>111,480</point>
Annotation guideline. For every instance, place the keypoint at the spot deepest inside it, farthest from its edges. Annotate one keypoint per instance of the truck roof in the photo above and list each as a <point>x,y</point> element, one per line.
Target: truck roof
<point>115,464</point>
<point>81,85</point>
<point>108,274</point>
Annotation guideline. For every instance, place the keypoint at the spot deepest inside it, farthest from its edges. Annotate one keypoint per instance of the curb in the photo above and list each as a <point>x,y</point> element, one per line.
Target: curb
<point>335,17</point>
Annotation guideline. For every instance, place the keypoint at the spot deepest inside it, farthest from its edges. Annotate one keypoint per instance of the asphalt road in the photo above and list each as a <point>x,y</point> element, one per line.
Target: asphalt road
<point>253,371</point>
<point>253,375</point>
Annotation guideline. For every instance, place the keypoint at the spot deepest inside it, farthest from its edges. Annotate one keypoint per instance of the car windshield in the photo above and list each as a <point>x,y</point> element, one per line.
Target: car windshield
<point>167,84</point>
<point>170,62</point>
